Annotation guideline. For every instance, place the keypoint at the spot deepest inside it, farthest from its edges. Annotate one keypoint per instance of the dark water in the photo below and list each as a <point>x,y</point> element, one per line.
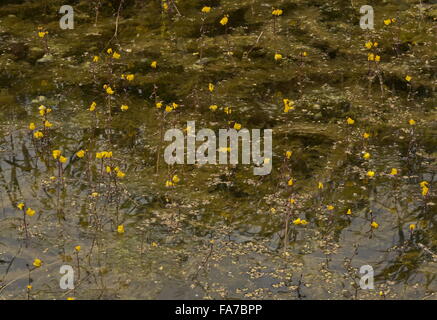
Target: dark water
<point>220,231</point>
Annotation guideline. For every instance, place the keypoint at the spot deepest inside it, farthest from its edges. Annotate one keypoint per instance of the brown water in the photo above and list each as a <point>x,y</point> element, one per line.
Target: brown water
<point>219,233</point>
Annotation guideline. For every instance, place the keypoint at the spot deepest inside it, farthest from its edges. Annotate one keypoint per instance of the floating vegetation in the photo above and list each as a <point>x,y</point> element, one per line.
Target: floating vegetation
<point>86,189</point>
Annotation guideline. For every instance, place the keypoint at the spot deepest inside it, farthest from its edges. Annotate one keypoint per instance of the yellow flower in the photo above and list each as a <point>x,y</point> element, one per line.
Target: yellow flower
<point>227,110</point>
<point>374,225</point>
<point>370,57</point>
<point>130,77</point>
<point>48,124</point>
<point>206,9</point>
<point>175,179</point>
<point>375,44</point>
<point>29,287</point>
<point>304,54</point>
<point>288,105</point>
<point>169,183</point>
<point>71,298</point>
<point>30,212</point>
<point>277,12</point>
<point>174,105</point>
<point>38,134</point>
<point>425,190</point>
<point>109,90</point>
<point>124,107</point>
<point>423,184</point>
<point>297,221</point>
<point>303,222</point>
<point>168,108</point>
<point>412,227</point>
<point>56,154</point>
<point>120,174</point>
<point>366,155</point>
<point>109,51</point>
<point>120,229</point>
<point>411,122</point>
<point>330,207</point>
<point>116,55</point>
<point>42,34</point>
<point>278,56</point>
<point>349,211</point>
<point>94,194</point>
<point>377,58</point>
<point>273,210</point>
<point>96,59</point>
<point>37,263</point>
<point>368,45</point>
<point>80,153</point>
<point>394,171</point>
<point>350,121</point>
<point>158,105</point>
<point>387,22</point>
<point>213,107</point>
<point>211,87</point>
<point>62,159</point>
<point>288,154</point>
<point>366,135</point>
<point>108,169</point>
<point>292,201</point>
<point>92,107</point>
<point>408,78</point>
<point>290,182</point>
<point>32,126</point>
<point>224,21</point>
<point>77,248</point>
<point>154,64</point>
<point>370,173</point>
<point>320,185</point>
<point>20,205</point>
<point>237,126</point>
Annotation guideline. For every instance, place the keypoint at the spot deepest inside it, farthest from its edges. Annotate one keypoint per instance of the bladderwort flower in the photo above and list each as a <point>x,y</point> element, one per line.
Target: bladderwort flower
<point>349,212</point>
<point>56,154</point>
<point>370,174</point>
<point>350,121</point>
<point>213,107</point>
<point>30,212</point>
<point>288,154</point>
<point>175,179</point>
<point>80,153</point>
<point>92,106</point>
<point>411,122</point>
<point>366,135</point>
<point>32,126</point>
<point>277,12</point>
<point>288,105</point>
<point>237,126</point>
<point>278,56</point>
<point>37,263</point>
<point>38,135</point>
<point>116,56</point>
<point>374,225</point>
<point>394,171</point>
<point>154,64</point>
<point>210,87</point>
<point>366,155</point>
<point>408,78</point>
<point>120,229</point>
<point>224,21</point>
<point>206,9</point>
<point>124,107</point>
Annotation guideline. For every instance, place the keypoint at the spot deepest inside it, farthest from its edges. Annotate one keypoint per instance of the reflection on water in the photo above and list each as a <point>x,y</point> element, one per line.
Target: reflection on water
<point>360,172</point>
